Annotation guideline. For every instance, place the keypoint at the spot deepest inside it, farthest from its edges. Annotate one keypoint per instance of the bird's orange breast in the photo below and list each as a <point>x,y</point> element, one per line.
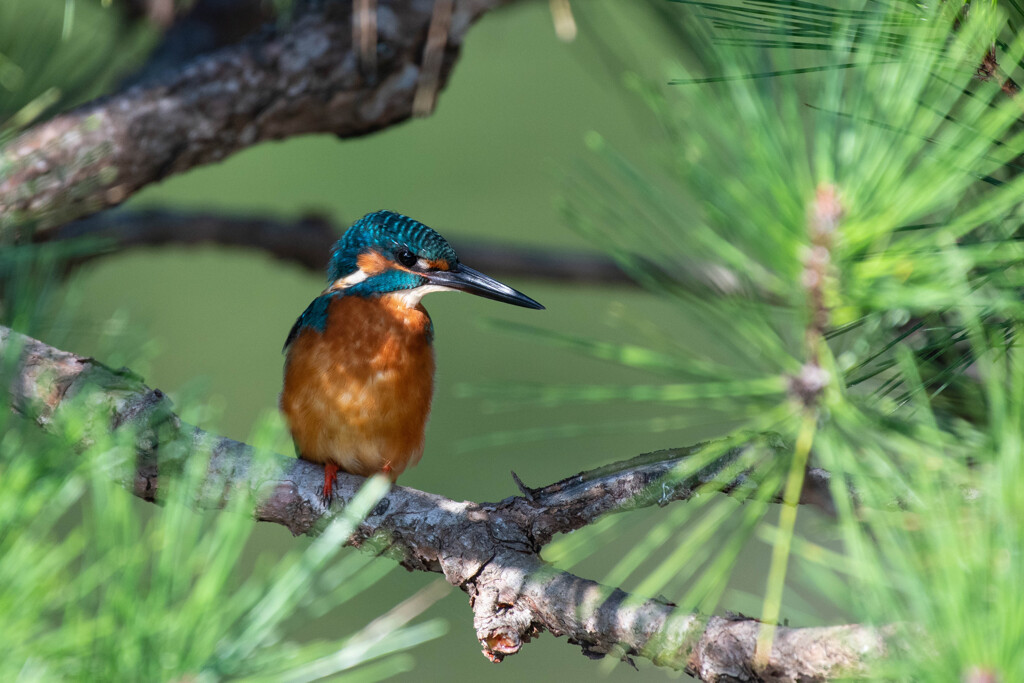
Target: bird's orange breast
<point>358,394</point>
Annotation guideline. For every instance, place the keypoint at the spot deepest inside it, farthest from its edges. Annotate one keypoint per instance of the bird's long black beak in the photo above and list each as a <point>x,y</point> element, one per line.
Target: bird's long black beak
<point>466,279</point>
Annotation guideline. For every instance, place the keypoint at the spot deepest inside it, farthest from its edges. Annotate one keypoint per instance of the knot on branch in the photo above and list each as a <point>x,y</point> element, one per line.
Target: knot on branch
<point>503,618</point>
<point>286,503</point>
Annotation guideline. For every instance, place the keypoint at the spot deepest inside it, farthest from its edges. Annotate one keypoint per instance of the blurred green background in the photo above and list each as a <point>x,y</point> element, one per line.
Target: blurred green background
<point>208,324</point>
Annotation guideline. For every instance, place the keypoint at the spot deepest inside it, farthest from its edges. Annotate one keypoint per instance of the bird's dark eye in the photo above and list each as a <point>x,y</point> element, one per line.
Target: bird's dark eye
<point>406,258</point>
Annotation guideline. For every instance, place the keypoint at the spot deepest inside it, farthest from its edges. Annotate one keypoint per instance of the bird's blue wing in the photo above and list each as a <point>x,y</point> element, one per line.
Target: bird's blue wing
<point>314,316</point>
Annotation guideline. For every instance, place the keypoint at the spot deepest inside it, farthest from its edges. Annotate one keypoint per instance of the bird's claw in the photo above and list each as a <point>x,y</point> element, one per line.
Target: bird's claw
<point>325,497</point>
<point>330,476</point>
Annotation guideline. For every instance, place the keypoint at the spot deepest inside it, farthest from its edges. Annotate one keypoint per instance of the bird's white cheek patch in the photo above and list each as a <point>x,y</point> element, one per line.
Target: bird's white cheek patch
<point>351,279</point>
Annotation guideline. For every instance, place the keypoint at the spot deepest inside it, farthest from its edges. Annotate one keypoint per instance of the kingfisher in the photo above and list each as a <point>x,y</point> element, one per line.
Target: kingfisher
<point>359,366</point>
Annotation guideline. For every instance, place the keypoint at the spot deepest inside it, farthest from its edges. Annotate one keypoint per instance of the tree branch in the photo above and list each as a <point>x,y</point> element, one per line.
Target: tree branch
<point>307,242</point>
<point>489,550</point>
<point>643,481</point>
<point>304,78</point>
<point>204,26</point>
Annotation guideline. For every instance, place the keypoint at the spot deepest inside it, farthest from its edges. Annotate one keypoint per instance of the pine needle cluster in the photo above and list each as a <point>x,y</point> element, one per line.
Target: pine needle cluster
<point>837,204</point>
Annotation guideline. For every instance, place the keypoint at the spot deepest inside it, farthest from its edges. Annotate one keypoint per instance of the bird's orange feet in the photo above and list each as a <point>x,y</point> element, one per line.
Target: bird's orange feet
<point>330,476</point>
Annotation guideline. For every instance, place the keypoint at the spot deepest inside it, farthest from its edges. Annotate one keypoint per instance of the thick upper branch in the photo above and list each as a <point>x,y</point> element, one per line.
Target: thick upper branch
<point>488,550</point>
<point>305,78</point>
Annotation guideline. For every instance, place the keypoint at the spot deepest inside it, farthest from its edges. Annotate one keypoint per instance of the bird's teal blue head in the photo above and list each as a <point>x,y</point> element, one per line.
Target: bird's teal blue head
<point>388,253</point>
<point>379,252</point>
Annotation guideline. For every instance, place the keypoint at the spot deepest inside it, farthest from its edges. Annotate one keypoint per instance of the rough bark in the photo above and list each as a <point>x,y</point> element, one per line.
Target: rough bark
<point>303,78</point>
<point>489,550</point>
<point>203,27</point>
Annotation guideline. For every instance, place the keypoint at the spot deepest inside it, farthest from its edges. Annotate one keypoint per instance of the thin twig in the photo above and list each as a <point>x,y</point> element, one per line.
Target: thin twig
<point>307,241</point>
<point>433,58</point>
<point>563,19</point>
<point>364,34</point>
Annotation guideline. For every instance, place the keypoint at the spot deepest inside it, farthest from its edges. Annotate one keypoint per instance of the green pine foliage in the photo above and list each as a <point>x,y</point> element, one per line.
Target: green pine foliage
<point>837,203</point>
<point>58,53</point>
<point>95,585</point>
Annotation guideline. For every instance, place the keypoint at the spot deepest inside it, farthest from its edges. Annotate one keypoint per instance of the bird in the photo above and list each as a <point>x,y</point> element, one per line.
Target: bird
<point>359,361</point>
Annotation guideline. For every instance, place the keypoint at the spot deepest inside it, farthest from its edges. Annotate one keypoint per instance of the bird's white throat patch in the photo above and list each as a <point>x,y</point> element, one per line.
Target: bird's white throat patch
<point>411,297</point>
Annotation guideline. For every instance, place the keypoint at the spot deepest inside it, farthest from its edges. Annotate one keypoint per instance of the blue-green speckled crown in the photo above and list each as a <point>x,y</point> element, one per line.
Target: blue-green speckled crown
<point>388,233</point>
